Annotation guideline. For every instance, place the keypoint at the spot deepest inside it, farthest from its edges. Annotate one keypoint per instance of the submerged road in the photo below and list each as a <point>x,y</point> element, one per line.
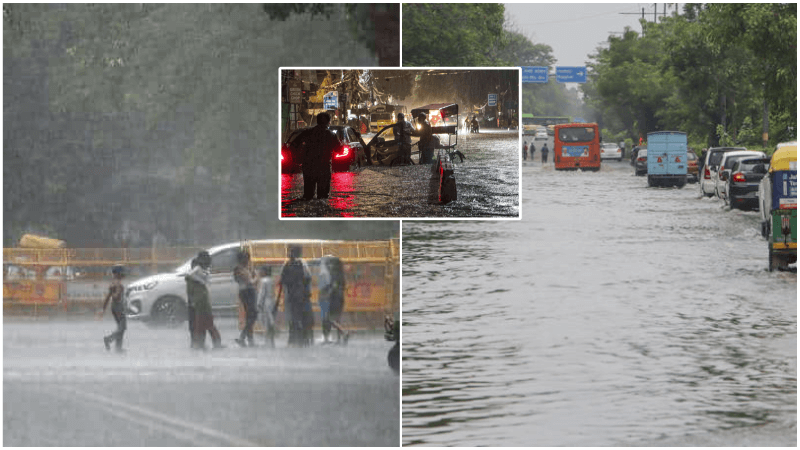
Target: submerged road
<point>62,388</point>
<point>487,182</point>
<point>612,314</point>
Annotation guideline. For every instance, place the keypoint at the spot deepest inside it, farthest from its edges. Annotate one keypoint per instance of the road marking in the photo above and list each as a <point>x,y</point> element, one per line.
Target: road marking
<point>153,418</point>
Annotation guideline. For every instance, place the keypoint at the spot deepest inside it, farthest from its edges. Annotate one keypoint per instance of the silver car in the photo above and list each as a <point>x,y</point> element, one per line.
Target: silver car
<point>713,157</point>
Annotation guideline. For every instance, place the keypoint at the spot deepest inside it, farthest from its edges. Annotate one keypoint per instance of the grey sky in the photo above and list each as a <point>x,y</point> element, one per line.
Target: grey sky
<point>575,30</point>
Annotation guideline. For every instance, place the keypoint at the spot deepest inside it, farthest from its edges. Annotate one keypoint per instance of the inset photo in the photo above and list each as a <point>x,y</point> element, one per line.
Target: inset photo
<point>400,143</point>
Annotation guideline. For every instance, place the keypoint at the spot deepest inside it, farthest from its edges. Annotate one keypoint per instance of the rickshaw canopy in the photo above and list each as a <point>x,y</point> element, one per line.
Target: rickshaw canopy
<point>445,109</point>
<point>785,157</point>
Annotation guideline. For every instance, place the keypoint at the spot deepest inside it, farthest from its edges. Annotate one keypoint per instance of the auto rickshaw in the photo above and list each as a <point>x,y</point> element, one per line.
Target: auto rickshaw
<point>778,206</point>
<point>444,121</point>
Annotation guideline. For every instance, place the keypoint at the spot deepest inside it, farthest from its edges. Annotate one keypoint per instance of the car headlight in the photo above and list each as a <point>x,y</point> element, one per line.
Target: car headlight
<point>135,307</point>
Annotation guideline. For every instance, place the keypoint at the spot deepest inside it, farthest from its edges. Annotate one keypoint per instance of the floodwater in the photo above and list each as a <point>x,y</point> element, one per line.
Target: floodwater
<point>62,388</point>
<point>487,183</point>
<point>611,314</point>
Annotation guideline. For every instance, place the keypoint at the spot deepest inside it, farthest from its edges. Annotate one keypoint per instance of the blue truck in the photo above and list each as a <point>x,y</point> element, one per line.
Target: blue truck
<point>666,158</point>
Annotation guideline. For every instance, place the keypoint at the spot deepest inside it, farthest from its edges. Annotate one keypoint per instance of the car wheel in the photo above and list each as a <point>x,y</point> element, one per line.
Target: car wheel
<point>168,311</point>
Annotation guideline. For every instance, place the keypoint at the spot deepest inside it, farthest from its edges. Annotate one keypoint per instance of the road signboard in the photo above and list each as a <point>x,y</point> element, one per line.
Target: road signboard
<point>295,88</point>
<point>534,74</point>
<point>568,74</point>
<point>492,99</point>
<point>330,100</point>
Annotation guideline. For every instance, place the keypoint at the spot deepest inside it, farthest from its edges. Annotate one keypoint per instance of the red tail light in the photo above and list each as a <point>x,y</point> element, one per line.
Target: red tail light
<point>642,159</point>
<point>739,177</point>
<point>706,173</point>
<point>345,151</point>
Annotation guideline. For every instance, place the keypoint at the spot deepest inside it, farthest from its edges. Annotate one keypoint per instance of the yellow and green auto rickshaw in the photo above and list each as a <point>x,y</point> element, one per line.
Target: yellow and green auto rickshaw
<point>778,206</point>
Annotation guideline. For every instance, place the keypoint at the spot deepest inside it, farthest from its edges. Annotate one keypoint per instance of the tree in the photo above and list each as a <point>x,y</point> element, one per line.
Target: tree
<point>450,34</point>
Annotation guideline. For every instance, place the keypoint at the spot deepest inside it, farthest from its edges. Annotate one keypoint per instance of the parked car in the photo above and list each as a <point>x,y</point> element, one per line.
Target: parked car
<point>641,162</point>
<point>290,150</point>
<point>610,151</point>
<point>743,182</point>
<point>691,166</point>
<point>349,156</point>
<point>713,157</point>
<point>541,134</point>
<point>723,172</point>
<point>634,153</point>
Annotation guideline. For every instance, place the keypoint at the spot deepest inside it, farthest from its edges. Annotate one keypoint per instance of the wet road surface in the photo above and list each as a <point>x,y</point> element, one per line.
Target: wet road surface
<point>487,183</point>
<point>611,314</point>
<point>62,388</point>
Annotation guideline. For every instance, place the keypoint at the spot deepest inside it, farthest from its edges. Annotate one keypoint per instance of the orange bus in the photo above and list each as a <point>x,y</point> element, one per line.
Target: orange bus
<point>576,146</point>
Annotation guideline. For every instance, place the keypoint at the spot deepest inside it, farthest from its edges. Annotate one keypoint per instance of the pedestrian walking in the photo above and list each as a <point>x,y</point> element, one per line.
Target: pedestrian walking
<point>425,134</point>
<point>402,135</point>
<point>532,149</point>
<point>245,278</point>
<point>525,151</point>
<point>318,146</point>
<point>331,297</point>
<point>266,304</point>
<point>296,281</point>
<point>190,305</point>
<point>115,296</point>
<point>702,163</point>
<point>545,151</point>
<point>197,293</point>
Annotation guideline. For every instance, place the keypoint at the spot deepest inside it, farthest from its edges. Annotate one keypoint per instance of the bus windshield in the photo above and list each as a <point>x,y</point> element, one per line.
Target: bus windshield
<point>577,134</point>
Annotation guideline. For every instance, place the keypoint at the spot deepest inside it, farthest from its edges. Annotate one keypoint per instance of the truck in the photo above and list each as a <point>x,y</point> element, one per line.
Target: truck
<point>666,158</point>
<point>777,196</point>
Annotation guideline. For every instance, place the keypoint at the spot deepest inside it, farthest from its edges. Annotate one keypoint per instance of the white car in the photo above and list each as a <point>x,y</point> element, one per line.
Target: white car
<point>713,157</point>
<point>720,176</point>
<point>610,151</point>
<point>161,299</point>
<point>541,134</point>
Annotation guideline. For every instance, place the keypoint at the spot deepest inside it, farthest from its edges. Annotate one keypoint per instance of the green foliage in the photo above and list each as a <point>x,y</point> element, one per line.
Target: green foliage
<point>453,34</point>
<point>725,139</point>
<point>148,114</point>
<point>713,66</point>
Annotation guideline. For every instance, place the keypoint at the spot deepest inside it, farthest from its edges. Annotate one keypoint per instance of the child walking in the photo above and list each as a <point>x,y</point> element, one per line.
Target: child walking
<point>115,294</point>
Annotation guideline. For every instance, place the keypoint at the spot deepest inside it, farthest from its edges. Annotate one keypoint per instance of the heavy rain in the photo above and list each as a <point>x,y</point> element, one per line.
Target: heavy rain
<point>370,179</point>
<point>136,136</point>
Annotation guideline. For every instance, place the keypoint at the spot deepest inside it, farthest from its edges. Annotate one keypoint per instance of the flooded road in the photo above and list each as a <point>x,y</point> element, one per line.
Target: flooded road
<point>62,388</point>
<point>611,314</point>
<point>487,183</point>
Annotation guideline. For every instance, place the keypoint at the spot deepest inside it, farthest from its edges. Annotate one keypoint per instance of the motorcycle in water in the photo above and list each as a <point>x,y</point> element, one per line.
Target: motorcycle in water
<point>474,128</point>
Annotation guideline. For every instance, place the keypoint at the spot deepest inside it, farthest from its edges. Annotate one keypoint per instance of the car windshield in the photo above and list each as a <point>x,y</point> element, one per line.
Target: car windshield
<point>691,156</point>
<point>753,165</point>
<point>731,160</point>
<point>610,146</point>
<point>294,135</point>
<point>338,132</point>
<point>381,116</point>
<point>715,157</point>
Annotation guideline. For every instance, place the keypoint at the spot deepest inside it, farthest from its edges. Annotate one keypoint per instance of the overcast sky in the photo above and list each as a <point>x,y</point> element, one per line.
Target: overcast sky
<point>575,30</point>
